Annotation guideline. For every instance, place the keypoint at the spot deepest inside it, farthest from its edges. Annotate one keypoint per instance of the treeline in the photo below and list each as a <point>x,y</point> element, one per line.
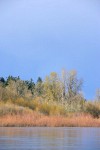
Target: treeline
<point>57,94</point>
<point>61,88</point>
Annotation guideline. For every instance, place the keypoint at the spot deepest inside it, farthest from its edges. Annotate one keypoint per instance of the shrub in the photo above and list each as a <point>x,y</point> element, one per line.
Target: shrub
<point>93,109</point>
<point>24,103</point>
<point>11,109</point>
<point>52,109</point>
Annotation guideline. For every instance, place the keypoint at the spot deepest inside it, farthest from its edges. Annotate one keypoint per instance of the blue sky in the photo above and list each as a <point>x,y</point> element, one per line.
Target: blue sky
<point>41,36</point>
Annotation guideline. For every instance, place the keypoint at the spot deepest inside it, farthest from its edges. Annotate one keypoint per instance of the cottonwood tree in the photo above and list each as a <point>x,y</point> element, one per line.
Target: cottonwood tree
<point>52,87</point>
<point>63,84</point>
<point>71,85</point>
<point>74,84</point>
<point>98,94</point>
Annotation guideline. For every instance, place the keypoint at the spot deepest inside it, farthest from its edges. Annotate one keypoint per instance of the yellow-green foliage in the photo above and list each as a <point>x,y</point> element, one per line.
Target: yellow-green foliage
<point>31,104</point>
<point>8,108</point>
<point>21,106</point>
<point>52,86</point>
<point>24,103</point>
<point>93,108</point>
<point>52,109</point>
<point>48,108</point>
<point>75,105</point>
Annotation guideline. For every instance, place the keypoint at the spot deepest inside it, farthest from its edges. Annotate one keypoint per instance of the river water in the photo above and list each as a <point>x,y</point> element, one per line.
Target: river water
<point>45,138</point>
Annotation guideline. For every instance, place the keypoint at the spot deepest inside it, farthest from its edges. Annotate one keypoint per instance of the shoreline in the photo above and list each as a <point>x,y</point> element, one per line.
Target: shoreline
<point>38,120</point>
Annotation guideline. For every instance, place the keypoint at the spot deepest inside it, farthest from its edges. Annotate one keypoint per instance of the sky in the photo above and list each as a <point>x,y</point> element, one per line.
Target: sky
<point>41,36</point>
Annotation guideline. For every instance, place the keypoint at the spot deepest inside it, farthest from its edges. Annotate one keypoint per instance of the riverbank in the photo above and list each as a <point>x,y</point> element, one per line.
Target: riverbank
<point>33,113</point>
<point>40,120</point>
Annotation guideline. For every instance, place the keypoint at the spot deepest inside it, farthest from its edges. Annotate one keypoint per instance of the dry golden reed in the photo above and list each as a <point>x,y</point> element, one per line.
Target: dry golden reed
<point>37,119</point>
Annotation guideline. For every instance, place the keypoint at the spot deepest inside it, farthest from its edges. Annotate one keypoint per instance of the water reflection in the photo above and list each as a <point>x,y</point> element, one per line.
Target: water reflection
<point>50,138</point>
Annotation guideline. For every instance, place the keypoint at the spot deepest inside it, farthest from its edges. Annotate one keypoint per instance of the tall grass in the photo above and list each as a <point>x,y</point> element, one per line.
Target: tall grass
<point>36,119</point>
<point>55,108</point>
<point>35,112</point>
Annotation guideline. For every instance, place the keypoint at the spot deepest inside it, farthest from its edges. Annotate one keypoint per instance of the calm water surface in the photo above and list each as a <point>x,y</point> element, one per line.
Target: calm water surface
<point>49,138</point>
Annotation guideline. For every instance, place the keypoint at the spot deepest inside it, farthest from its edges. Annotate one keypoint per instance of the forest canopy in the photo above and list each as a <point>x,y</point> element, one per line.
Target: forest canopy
<point>61,88</point>
<point>56,94</point>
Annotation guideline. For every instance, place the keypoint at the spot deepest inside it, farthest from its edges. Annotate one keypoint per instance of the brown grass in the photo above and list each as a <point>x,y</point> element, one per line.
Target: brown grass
<point>37,119</point>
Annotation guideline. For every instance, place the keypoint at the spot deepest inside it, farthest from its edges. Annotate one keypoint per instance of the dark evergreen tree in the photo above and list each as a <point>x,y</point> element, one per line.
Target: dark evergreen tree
<point>39,87</point>
<point>2,80</point>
